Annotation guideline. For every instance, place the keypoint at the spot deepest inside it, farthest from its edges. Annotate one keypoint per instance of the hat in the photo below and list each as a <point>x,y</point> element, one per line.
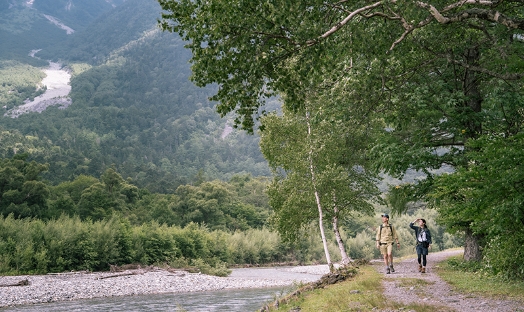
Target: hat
<point>385,215</point>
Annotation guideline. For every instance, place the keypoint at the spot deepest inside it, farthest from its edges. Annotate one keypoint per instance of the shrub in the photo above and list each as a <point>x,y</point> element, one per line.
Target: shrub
<point>504,256</point>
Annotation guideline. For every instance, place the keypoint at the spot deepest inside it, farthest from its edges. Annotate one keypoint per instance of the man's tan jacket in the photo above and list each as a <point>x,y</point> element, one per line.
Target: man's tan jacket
<point>388,235</point>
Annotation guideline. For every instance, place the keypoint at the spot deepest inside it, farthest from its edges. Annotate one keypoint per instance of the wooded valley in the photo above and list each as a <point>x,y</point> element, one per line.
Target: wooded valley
<point>202,134</point>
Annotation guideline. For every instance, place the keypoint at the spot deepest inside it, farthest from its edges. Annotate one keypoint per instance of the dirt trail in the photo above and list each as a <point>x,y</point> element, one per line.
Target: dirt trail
<point>436,292</point>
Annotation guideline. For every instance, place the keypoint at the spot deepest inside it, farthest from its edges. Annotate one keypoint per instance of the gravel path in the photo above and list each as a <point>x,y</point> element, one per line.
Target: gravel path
<point>60,287</point>
<point>437,292</point>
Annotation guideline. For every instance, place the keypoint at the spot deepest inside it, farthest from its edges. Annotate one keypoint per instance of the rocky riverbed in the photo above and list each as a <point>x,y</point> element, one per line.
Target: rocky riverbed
<point>74,286</point>
<point>57,92</point>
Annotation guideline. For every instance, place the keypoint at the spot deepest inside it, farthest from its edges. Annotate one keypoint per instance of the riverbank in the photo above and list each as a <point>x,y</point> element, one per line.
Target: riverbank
<point>75,286</point>
<point>57,92</point>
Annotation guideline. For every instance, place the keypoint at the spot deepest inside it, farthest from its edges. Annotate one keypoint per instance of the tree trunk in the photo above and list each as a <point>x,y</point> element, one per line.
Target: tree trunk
<point>472,250</point>
<point>322,234</point>
<point>471,89</point>
<point>317,198</point>
<point>340,243</point>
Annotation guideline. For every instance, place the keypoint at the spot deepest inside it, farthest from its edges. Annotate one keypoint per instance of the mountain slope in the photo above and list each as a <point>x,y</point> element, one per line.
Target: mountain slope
<point>134,109</point>
<point>41,24</point>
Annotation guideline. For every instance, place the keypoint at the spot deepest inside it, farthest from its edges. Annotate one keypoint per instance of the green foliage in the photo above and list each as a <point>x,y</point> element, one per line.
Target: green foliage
<point>318,164</point>
<point>472,277</point>
<point>30,246</point>
<point>487,197</point>
<point>153,244</point>
<point>220,269</point>
<point>21,191</point>
<point>255,246</point>
<point>34,246</point>
<point>217,204</point>
<point>18,82</point>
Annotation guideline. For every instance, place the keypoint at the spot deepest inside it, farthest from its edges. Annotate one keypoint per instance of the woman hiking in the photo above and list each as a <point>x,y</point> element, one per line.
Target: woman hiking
<point>423,236</point>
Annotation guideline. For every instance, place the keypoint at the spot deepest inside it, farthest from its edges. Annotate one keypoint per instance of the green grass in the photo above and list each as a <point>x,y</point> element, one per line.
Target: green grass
<point>467,278</point>
<point>364,292</point>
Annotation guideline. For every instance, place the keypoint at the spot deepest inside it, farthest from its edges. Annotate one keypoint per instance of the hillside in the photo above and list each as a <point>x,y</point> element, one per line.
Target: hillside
<point>133,106</point>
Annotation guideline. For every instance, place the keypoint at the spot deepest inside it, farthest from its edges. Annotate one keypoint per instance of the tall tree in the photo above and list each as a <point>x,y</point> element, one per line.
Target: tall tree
<point>490,192</point>
<point>320,170</point>
<point>426,69</point>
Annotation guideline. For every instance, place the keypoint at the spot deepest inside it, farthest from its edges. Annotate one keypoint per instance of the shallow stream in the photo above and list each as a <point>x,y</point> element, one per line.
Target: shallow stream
<point>240,300</point>
<point>233,300</point>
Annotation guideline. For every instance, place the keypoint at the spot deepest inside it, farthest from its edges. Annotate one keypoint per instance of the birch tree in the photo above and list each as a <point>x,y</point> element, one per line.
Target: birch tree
<point>320,167</point>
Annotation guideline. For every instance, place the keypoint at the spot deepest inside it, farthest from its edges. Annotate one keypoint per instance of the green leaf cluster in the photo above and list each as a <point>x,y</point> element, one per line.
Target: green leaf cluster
<point>487,197</point>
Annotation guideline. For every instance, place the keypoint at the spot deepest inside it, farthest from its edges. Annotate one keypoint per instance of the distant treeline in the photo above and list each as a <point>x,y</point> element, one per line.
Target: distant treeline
<point>90,224</point>
<point>239,204</point>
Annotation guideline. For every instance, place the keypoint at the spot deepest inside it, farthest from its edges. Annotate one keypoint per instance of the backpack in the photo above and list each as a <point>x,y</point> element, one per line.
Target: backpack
<point>390,228</point>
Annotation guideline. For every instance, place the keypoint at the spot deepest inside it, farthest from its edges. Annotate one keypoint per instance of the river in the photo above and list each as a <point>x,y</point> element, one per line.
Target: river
<point>232,299</point>
<point>57,92</point>
<point>241,300</point>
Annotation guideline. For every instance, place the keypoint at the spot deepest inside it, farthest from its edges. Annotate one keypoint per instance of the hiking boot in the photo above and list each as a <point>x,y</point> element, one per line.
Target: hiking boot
<point>392,269</point>
<point>420,267</point>
<point>388,271</point>
<point>423,270</point>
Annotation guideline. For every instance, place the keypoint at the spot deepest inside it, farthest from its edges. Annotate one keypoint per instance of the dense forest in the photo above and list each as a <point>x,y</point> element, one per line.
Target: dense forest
<point>134,109</point>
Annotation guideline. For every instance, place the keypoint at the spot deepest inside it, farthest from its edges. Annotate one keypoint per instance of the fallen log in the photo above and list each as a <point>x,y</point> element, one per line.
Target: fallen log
<point>118,275</point>
<point>21,283</point>
<point>69,273</point>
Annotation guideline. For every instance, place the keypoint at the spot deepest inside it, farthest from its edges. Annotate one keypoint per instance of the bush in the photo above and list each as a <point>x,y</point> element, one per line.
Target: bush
<point>503,256</point>
<point>153,244</point>
<point>219,269</point>
<point>362,247</point>
<point>30,246</point>
<point>254,246</point>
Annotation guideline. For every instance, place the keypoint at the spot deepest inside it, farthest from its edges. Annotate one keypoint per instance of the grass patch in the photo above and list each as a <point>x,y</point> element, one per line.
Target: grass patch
<point>364,292</point>
<point>468,277</point>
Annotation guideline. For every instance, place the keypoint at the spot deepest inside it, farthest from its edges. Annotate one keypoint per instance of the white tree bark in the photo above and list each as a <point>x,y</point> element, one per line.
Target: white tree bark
<point>345,258</point>
<point>317,197</point>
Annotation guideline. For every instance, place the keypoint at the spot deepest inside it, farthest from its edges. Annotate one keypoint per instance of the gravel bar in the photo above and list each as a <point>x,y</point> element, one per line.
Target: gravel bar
<point>75,285</point>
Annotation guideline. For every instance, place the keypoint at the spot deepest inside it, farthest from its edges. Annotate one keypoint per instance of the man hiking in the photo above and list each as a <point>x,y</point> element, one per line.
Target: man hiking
<point>386,236</point>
